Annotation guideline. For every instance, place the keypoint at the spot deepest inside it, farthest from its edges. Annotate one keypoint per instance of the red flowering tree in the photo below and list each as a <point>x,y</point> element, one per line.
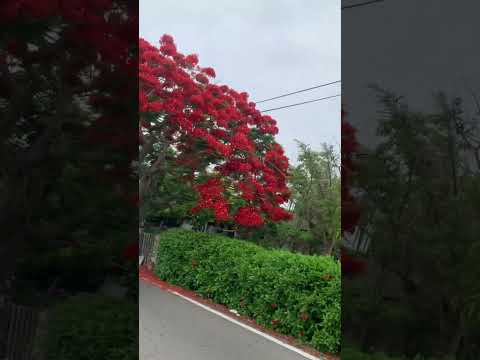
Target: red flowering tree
<point>224,145</point>
<point>97,67</point>
<point>350,208</point>
<point>67,68</point>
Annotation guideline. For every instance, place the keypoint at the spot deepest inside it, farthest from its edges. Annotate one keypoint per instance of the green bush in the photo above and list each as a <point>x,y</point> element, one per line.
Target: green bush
<point>92,327</point>
<point>295,294</point>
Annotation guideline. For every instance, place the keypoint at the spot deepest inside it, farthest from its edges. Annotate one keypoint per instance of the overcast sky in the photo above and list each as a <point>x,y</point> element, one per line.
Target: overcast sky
<point>412,47</point>
<point>266,48</point>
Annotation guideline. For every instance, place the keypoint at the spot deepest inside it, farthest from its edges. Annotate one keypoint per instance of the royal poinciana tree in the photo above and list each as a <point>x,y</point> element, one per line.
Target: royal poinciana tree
<point>350,208</point>
<point>223,144</point>
<point>68,69</point>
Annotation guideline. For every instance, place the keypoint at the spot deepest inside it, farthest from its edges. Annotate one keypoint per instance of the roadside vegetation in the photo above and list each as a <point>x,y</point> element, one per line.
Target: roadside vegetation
<point>294,294</point>
<point>209,162</point>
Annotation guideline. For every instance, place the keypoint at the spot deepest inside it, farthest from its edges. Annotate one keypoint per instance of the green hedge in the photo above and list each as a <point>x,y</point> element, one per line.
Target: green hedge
<point>93,327</point>
<point>295,294</point>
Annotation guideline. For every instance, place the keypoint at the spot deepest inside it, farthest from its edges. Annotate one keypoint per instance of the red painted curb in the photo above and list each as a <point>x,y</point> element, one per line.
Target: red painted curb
<point>149,277</point>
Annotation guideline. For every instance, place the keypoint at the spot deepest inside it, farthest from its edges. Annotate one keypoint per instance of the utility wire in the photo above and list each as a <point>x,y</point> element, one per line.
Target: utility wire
<point>297,92</point>
<point>361,4</point>
<point>305,102</point>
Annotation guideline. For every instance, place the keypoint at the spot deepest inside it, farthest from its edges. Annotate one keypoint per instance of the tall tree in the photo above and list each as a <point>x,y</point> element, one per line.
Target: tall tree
<point>315,186</point>
<point>421,185</point>
<point>225,146</point>
<point>60,112</point>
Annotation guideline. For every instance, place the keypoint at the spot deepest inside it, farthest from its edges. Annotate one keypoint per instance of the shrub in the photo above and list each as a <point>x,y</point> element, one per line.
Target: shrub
<point>92,327</point>
<point>294,294</point>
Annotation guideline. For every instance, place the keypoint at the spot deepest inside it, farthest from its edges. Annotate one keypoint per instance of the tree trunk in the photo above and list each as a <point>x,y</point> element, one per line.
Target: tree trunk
<point>330,248</point>
<point>457,337</point>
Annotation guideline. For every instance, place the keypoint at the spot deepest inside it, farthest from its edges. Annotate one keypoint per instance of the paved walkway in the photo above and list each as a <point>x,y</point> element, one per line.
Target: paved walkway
<point>172,328</point>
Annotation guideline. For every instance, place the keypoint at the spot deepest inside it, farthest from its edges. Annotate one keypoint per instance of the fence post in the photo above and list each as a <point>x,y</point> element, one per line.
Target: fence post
<point>22,330</point>
<point>41,337</point>
<point>156,243</point>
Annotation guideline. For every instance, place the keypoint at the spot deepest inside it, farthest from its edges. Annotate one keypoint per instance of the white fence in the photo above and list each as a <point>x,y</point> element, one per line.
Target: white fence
<point>22,326</point>
<point>358,241</point>
<point>146,247</point>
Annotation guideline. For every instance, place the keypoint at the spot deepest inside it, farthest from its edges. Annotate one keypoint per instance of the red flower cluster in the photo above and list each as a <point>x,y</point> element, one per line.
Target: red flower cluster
<point>350,209</point>
<point>248,216</point>
<point>73,10</point>
<point>88,27</point>
<point>131,252</point>
<point>351,266</point>
<point>304,316</point>
<point>213,127</point>
<point>211,197</point>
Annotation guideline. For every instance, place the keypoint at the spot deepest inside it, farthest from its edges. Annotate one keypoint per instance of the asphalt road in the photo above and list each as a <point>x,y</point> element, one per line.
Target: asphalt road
<point>172,328</point>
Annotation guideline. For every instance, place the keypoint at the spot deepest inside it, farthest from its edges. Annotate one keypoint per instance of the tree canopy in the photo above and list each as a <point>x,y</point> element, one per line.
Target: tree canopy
<point>215,139</point>
<point>421,206</point>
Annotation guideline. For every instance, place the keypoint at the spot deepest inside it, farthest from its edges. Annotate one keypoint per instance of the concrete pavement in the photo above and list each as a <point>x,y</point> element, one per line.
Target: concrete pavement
<point>171,328</point>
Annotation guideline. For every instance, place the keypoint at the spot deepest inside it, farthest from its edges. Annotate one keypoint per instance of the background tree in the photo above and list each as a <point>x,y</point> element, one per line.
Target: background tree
<point>315,184</point>
<point>421,199</point>
<point>315,203</point>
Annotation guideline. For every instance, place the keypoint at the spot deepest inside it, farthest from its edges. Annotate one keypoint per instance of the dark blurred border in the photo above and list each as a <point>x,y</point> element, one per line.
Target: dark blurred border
<point>411,134</point>
<point>68,186</point>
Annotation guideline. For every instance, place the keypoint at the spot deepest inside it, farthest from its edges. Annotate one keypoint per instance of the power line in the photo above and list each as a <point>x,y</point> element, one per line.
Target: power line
<point>361,4</point>
<point>305,102</point>
<point>297,92</point>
